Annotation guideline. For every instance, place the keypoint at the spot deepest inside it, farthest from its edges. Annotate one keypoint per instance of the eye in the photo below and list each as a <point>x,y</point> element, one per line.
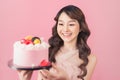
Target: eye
<point>72,24</point>
<point>60,24</point>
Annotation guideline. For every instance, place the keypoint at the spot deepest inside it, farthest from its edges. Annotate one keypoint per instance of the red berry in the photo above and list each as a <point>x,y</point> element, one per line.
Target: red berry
<point>44,63</point>
<point>23,41</point>
<point>28,42</point>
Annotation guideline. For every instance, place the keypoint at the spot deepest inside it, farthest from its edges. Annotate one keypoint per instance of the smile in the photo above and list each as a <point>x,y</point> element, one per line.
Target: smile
<point>66,34</point>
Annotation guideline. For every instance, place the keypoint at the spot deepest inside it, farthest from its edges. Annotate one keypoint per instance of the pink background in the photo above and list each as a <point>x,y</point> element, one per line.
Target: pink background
<point>19,18</point>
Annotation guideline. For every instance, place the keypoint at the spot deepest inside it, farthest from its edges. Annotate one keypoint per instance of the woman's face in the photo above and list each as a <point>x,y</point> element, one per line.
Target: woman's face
<point>67,28</point>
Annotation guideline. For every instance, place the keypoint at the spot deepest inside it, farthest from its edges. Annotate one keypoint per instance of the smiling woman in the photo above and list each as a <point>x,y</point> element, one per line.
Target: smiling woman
<point>69,52</point>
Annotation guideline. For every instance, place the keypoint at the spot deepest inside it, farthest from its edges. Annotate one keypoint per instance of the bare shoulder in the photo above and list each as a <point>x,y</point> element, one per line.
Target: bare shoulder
<point>91,66</point>
<point>92,58</point>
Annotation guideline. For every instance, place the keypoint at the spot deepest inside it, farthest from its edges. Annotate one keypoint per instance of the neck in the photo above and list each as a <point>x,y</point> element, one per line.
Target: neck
<point>70,45</point>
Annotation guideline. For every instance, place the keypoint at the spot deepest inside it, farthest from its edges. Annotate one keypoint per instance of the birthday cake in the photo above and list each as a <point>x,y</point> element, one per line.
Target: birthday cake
<point>30,51</point>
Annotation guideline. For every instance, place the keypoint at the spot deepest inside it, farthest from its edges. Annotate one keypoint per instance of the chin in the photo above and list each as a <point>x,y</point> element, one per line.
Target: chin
<point>65,40</point>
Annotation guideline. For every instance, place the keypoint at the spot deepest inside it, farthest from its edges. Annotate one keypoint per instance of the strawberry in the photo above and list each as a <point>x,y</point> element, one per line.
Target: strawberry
<point>44,63</point>
<point>28,42</point>
<point>23,41</point>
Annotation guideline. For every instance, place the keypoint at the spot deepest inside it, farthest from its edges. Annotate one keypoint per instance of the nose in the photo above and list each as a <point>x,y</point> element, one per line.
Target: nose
<point>65,28</point>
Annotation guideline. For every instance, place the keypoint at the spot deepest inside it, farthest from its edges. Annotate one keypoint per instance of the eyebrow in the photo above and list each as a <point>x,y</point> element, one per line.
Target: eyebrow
<point>60,21</point>
<point>72,20</point>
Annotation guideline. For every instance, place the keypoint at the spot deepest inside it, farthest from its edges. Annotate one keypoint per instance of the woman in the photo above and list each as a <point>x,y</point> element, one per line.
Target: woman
<point>69,52</point>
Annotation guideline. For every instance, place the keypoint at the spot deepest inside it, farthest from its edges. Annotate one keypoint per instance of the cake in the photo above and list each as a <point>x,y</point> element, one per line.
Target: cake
<point>30,51</point>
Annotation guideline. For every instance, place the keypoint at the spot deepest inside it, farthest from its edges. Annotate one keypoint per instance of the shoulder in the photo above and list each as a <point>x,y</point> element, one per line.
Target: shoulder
<point>92,58</point>
<point>91,66</point>
<point>92,62</point>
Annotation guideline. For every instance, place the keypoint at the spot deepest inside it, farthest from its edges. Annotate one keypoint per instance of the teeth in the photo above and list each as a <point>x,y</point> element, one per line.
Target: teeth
<point>66,34</point>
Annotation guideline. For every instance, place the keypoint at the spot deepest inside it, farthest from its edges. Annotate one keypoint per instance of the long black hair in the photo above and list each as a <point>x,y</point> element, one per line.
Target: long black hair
<point>56,42</point>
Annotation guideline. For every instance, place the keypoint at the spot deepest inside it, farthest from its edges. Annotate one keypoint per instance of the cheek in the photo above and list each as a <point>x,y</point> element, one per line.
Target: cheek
<point>58,31</point>
<point>75,30</point>
<point>76,33</point>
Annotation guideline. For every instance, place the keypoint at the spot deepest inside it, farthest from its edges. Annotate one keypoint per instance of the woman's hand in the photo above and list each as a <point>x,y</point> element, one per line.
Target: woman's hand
<point>25,74</point>
<point>60,74</point>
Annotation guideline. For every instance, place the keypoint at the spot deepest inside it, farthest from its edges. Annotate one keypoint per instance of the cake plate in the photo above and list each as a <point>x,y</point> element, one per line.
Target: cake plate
<point>17,67</point>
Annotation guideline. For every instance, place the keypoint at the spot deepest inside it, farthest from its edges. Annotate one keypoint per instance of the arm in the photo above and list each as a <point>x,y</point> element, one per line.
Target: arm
<point>91,66</point>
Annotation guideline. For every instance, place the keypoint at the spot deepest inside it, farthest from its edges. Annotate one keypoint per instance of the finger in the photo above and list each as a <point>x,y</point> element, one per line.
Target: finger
<point>48,74</point>
<point>43,73</point>
<point>27,73</point>
<point>24,72</point>
<point>55,67</point>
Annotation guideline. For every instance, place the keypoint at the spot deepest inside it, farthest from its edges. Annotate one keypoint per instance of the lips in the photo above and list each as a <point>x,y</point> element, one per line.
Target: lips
<point>66,34</point>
